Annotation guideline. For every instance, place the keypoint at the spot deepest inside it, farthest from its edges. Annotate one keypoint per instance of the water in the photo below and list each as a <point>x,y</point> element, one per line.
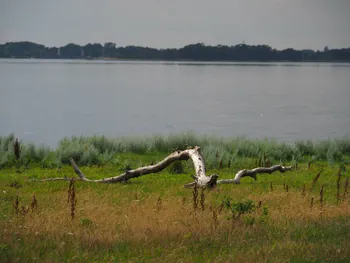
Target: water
<point>42,101</point>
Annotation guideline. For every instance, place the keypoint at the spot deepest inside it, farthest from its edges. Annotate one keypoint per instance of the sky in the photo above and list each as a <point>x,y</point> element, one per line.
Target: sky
<point>300,24</point>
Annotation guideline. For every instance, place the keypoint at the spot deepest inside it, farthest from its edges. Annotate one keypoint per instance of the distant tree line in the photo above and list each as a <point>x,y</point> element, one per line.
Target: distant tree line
<point>198,52</point>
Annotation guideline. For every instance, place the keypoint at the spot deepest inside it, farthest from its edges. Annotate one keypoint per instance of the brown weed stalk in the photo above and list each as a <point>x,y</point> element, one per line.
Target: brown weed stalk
<point>338,185</point>
<point>346,186</point>
<point>70,187</point>
<point>202,200</point>
<point>34,203</point>
<point>315,180</point>
<point>159,204</point>
<point>72,199</point>
<point>195,197</point>
<point>321,195</point>
<point>312,202</point>
<point>16,205</point>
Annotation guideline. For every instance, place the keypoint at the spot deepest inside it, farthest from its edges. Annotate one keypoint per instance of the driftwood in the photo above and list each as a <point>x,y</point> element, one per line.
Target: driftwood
<point>200,178</point>
<point>252,173</point>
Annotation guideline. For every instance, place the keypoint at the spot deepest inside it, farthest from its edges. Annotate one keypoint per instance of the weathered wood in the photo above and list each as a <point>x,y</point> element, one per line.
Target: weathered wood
<point>252,173</point>
<point>194,154</point>
<point>200,177</point>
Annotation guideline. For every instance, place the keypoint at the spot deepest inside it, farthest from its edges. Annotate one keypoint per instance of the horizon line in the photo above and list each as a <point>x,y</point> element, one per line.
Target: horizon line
<point>176,48</point>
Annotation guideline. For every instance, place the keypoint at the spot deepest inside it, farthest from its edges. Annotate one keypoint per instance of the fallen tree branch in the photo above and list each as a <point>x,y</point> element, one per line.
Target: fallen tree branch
<point>252,173</point>
<point>200,178</point>
<point>54,179</point>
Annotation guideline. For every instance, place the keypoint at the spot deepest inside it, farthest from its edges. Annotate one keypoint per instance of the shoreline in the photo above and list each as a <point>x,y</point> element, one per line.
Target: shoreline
<point>183,60</point>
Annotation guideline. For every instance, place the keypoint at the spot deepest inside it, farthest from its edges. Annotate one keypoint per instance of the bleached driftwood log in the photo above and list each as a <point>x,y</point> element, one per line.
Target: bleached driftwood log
<point>200,177</point>
<point>194,154</point>
<point>252,173</point>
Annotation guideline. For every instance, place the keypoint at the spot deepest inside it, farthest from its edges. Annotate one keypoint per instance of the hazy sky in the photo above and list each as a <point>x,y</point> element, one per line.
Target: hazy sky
<point>175,23</point>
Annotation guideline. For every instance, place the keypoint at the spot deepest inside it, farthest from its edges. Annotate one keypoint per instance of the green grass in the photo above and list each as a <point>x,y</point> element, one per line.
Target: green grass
<point>100,150</point>
<point>151,218</point>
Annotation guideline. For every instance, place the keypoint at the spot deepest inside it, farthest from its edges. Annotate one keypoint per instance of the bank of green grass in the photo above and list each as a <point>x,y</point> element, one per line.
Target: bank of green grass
<point>152,219</point>
<point>100,150</point>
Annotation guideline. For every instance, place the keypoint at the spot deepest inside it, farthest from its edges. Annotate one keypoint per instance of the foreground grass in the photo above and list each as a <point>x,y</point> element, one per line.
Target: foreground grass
<point>152,218</point>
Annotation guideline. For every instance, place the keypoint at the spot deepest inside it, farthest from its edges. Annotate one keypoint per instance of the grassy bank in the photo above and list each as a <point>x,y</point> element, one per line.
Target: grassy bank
<point>100,150</point>
<point>278,218</point>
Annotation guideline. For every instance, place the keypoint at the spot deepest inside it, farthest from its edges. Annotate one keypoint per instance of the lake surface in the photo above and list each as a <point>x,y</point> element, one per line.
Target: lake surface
<point>42,101</point>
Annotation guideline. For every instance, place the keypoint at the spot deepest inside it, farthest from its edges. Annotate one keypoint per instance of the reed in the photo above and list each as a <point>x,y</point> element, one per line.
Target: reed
<point>338,185</point>
<point>195,197</point>
<point>312,202</point>
<point>321,195</point>
<point>202,199</point>
<point>72,198</point>
<point>314,181</point>
<point>346,186</point>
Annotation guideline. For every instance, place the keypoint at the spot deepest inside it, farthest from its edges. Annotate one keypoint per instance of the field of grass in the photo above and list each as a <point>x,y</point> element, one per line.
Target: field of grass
<point>154,219</point>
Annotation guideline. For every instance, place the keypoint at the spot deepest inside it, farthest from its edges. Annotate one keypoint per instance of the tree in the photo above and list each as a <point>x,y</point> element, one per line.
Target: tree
<point>198,51</point>
<point>93,50</point>
<point>290,54</point>
<point>109,50</point>
<point>23,49</point>
<point>51,52</point>
<point>70,51</point>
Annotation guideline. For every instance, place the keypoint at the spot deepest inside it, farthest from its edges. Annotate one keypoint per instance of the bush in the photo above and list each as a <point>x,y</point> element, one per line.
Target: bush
<point>218,152</point>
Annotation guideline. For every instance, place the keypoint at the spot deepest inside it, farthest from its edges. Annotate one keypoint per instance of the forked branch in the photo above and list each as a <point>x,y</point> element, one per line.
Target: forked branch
<point>252,173</point>
<point>200,178</point>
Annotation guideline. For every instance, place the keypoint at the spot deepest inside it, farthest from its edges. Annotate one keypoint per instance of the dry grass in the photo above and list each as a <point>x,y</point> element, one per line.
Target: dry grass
<point>156,220</point>
<point>143,222</point>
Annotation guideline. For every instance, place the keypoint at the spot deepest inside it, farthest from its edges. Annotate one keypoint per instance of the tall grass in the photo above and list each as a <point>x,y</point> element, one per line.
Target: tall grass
<point>217,151</point>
